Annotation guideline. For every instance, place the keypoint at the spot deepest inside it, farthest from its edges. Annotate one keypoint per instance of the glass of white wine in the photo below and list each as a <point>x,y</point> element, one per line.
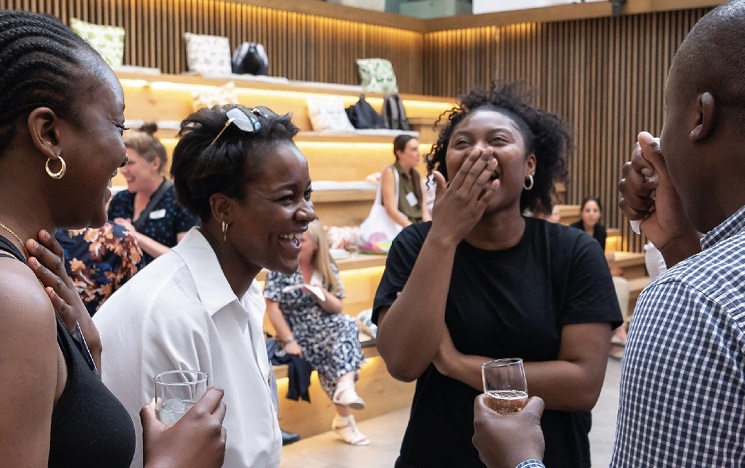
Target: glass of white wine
<point>505,384</point>
<point>176,391</point>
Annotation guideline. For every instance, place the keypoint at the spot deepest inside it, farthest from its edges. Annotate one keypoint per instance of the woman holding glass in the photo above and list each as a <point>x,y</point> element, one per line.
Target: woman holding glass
<point>60,144</point>
<point>305,309</point>
<point>482,282</point>
<point>199,307</point>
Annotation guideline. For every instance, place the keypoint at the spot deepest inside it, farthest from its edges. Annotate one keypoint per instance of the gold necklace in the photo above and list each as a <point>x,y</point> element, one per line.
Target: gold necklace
<point>23,247</point>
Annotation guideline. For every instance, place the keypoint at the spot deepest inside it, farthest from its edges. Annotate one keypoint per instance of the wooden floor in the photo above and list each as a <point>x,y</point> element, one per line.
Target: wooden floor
<point>385,433</point>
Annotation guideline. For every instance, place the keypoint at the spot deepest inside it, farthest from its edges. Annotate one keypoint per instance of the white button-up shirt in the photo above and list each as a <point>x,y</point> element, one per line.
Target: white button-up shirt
<point>180,313</point>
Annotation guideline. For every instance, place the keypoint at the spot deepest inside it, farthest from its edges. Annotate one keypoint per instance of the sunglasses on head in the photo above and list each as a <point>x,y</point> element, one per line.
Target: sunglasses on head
<point>246,122</point>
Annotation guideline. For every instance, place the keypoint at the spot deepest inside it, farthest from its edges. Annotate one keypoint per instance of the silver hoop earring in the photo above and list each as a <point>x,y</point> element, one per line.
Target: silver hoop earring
<point>529,185</point>
<point>56,175</point>
<point>224,231</point>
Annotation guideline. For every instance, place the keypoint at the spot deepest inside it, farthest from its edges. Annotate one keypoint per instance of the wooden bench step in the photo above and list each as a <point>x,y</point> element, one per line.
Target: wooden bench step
<point>381,392</point>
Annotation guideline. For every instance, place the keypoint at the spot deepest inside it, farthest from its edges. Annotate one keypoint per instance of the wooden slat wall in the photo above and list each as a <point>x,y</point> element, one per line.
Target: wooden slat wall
<point>605,76</point>
<point>300,47</point>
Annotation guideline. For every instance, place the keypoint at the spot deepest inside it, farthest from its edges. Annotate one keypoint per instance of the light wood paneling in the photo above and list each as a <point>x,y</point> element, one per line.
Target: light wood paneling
<point>605,76</point>
<point>300,46</point>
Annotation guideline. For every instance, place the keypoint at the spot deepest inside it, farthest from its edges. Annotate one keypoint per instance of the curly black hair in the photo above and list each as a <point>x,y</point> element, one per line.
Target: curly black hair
<point>203,166</point>
<point>545,135</point>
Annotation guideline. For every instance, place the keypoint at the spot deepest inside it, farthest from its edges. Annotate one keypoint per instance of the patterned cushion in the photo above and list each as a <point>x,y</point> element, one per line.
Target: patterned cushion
<point>376,76</point>
<point>328,114</point>
<point>219,95</point>
<point>108,41</point>
<point>208,54</point>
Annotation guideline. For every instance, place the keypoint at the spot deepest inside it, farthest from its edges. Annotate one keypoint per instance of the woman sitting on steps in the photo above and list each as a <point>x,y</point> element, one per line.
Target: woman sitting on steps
<point>305,309</point>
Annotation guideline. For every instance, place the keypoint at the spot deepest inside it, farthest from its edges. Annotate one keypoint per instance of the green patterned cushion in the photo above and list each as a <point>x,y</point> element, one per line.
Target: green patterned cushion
<point>208,55</point>
<point>107,40</point>
<point>377,76</point>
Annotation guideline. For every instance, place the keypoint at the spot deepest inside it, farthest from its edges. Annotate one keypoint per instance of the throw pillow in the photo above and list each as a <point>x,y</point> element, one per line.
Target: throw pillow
<point>328,114</point>
<point>209,55</point>
<point>219,95</point>
<point>376,76</point>
<point>108,41</point>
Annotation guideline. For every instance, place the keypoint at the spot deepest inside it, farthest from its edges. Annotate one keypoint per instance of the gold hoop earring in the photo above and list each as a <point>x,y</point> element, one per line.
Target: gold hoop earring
<point>224,231</point>
<point>59,174</point>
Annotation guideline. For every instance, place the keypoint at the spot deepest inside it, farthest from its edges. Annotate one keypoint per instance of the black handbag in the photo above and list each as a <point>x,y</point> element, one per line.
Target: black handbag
<point>362,115</point>
<point>250,58</point>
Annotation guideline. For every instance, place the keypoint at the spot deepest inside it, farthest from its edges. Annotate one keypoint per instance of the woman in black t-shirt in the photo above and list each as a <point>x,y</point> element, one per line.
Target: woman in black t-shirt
<point>482,282</point>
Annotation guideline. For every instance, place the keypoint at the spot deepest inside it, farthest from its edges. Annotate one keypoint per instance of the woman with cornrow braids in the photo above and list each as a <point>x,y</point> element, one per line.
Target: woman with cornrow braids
<point>61,123</point>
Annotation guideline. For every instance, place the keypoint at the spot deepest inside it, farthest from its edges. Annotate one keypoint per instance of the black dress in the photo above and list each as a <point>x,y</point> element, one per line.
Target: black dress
<point>90,427</point>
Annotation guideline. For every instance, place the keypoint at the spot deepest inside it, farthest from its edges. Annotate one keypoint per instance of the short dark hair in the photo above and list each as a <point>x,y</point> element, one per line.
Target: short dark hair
<point>544,133</point>
<point>201,168</point>
<point>40,66</point>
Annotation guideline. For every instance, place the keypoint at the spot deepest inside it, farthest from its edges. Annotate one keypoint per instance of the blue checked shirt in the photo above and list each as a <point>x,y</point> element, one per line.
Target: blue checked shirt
<point>532,463</point>
<point>683,374</point>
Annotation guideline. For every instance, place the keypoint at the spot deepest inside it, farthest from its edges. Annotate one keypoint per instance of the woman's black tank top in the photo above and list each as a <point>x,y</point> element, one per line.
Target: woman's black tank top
<point>90,427</point>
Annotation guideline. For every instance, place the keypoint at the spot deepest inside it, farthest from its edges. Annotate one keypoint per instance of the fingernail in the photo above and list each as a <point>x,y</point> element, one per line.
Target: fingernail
<point>34,244</point>
<point>45,234</point>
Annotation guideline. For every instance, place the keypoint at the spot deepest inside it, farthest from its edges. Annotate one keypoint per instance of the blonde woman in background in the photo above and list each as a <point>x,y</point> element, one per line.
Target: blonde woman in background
<point>305,309</point>
<point>148,208</point>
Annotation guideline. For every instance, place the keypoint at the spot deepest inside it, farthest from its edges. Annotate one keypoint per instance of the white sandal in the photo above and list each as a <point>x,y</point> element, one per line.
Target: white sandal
<point>346,396</point>
<point>346,428</point>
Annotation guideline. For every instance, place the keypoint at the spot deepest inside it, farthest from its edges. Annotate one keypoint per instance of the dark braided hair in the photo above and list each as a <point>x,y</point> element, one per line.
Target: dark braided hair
<point>544,133</point>
<point>40,66</point>
<point>200,168</point>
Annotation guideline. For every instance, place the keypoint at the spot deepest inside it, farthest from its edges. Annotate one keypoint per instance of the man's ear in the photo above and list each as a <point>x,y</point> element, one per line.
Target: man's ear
<point>705,123</point>
<point>43,128</point>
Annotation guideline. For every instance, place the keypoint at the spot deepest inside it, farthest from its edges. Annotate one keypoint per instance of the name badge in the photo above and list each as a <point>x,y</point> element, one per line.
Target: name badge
<point>411,198</point>
<point>158,214</point>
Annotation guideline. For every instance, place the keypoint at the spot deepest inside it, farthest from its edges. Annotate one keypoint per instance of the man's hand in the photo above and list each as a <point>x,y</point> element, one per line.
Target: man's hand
<point>648,195</point>
<point>505,441</point>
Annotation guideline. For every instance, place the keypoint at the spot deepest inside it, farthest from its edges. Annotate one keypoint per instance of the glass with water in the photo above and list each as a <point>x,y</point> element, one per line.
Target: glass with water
<point>176,391</point>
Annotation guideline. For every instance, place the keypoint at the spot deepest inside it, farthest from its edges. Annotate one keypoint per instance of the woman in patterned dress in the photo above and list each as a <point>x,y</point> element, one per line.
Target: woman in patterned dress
<point>305,309</point>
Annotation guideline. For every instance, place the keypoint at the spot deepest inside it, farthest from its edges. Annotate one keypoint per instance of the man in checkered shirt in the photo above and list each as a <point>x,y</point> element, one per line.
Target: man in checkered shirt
<point>683,373</point>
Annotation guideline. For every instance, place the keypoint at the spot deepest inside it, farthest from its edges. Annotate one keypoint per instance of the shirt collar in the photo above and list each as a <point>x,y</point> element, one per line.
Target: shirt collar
<point>727,229</point>
<point>397,167</point>
<point>209,280</point>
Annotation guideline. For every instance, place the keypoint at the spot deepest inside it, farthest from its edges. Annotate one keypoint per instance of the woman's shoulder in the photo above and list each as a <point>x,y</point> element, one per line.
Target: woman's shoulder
<point>26,306</point>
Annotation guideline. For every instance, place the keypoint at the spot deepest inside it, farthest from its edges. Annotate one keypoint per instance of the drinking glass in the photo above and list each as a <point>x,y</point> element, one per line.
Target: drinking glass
<point>505,384</point>
<point>176,391</point>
